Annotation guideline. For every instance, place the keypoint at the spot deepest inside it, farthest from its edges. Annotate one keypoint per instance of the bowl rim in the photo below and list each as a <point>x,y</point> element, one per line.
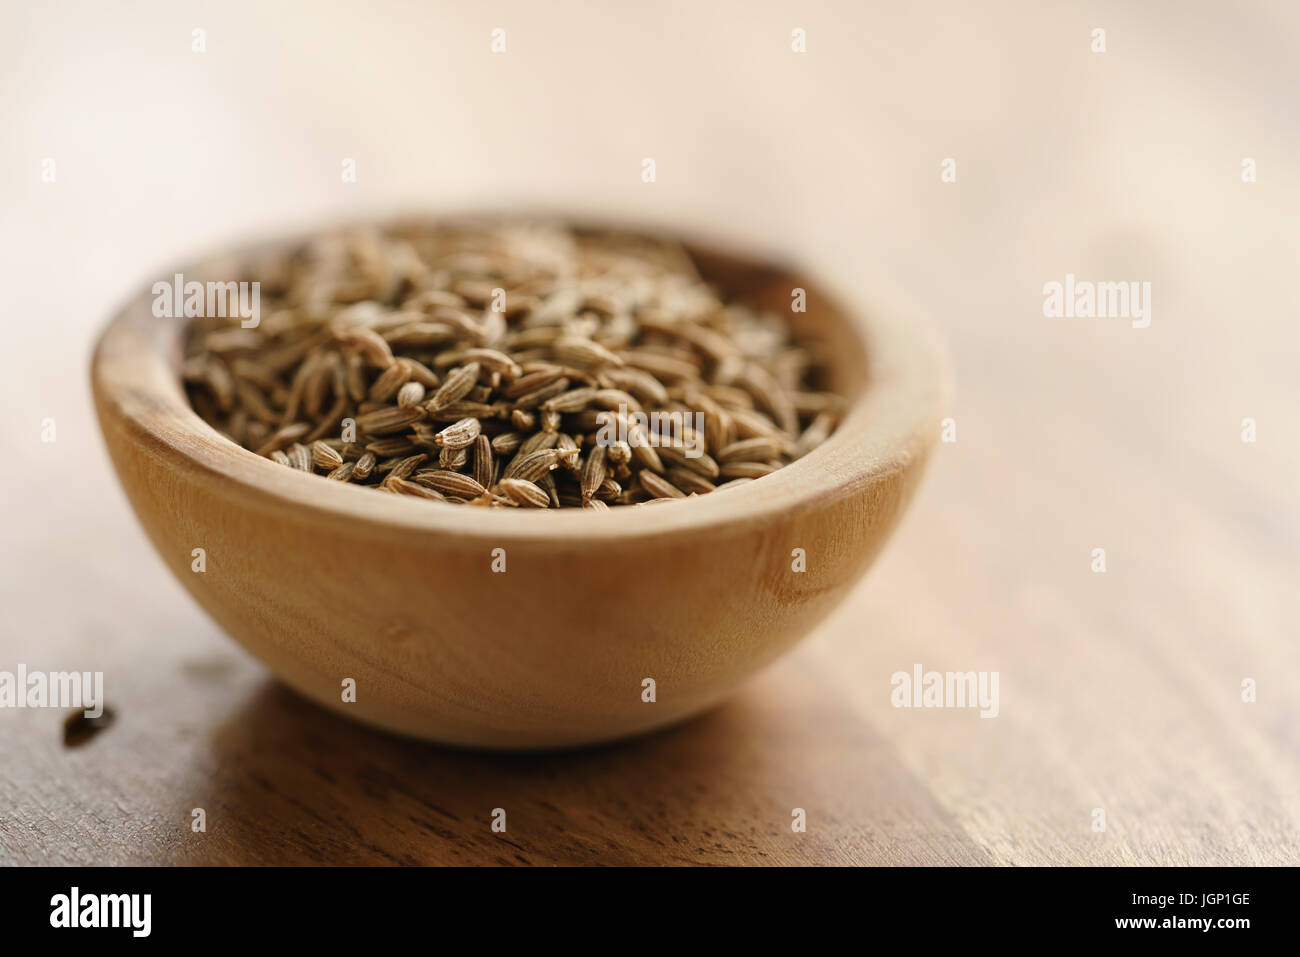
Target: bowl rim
<point>893,422</point>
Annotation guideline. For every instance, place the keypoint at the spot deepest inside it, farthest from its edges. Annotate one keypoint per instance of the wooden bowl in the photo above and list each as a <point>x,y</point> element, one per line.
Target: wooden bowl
<point>325,581</point>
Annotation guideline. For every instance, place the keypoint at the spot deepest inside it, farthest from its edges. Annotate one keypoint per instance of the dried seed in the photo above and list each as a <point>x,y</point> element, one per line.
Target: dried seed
<point>495,361</point>
<point>750,450</point>
<point>575,400</point>
<point>410,395</point>
<point>816,433</point>
<point>449,483</point>
<point>403,332</point>
<point>404,467</point>
<point>367,343</point>
<point>749,470</point>
<point>689,481</point>
<point>299,457</point>
<point>533,381</point>
<point>284,437</point>
<point>459,435</point>
<point>365,465</point>
<point>387,448</point>
<point>389,382</point>
<point>593,471</point>
<point>582,352</point>
<point>535,398</point>
<point>387,420</point>
<point>453,459</point>
<point>524,493</point>
<point>701,464</point>
<point>415,489</point>
<point>456,386</point>
<point>659,487</point>
<point>507,443</point>
<point>483,460</point>
<point>531,466</point>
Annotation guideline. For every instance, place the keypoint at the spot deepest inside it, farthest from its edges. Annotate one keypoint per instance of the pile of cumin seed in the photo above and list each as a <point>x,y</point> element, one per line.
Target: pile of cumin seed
<point>480,364</point>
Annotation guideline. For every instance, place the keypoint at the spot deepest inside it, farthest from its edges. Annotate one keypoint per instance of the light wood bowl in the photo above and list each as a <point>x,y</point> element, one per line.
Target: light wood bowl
<point>324,581</point>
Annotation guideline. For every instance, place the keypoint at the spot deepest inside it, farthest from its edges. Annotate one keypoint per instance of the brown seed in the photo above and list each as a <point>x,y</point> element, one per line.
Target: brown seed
<point>284,437</point>
<point>403,487</point>
<point>353,378</point>
<point>593,471</point>
<point>507,443</point>
<point>659,487</point>
<point>366,343</point>
<point>299,457</point>
<point>449,483</point>
<point>453,459</point>
<point>330,420</point>
<point>581,352</point>
<point>420,335</point>
<point>539,440</point>
<point>702,464</point>
<point>483,460</point>
<point>750,470</point>
<point>688,481</point>
<point>750,450</point>
<point>817,433</point>
<point>524,493</point>
<point>535,398</point>
<point>456,386</point>
<point>325,457</point>
<point>459,435</point>
<point>365,465</point>
<point>575,400</point>
<point>389,382</point>
<point>640,383</point>
<point>404,467</point>
<point>567,443</point>
<point>495,361</point>
<point>401,333</point>
<point>410,395</point>
<point>531,466</point>
<point>387,448</point>
<point>420,373</point>
<point>618,453</point>
<point>533,381</point>
<point>387,420</point>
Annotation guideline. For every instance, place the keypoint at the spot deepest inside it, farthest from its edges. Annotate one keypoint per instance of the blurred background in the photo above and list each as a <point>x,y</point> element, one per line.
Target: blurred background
<point>1120,691</point>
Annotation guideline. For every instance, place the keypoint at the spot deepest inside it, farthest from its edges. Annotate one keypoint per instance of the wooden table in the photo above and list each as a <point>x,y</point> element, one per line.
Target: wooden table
<point>1119,691</point>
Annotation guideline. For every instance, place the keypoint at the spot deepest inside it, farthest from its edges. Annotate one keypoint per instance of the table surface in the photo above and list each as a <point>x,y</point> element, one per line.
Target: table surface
<point>1119,691</point>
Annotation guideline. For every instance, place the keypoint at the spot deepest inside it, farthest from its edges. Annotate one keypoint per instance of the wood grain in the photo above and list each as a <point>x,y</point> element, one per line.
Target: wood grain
<point>1119,691</point>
